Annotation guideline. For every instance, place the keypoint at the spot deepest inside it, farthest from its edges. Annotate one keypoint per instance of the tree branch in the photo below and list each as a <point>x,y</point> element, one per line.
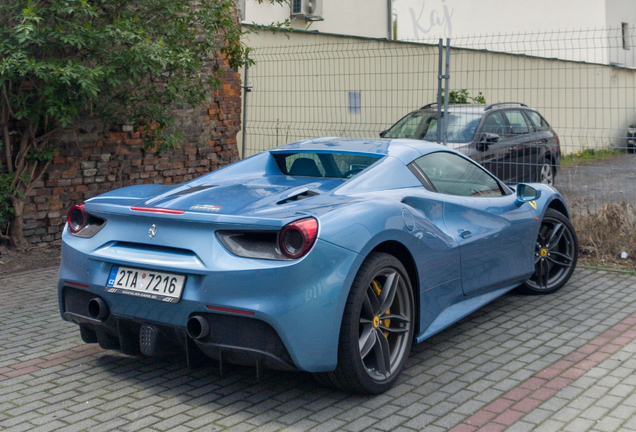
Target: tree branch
<point>8,149</point>
<point>34,180</point>
<point>25,146</point>
<point>6,98</point>
<point>57,132</point>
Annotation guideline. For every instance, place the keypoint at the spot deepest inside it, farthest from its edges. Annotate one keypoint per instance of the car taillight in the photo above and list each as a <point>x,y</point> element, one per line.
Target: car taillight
<point>83,224</point>
<point>297,238</point>
<point>76,218</point>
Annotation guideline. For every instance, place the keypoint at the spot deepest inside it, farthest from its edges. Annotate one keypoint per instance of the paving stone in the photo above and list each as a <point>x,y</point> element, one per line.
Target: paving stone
<point>448,379</point>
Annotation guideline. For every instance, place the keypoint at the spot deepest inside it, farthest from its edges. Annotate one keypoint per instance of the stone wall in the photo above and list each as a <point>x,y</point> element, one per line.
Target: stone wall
<point>90,162</point>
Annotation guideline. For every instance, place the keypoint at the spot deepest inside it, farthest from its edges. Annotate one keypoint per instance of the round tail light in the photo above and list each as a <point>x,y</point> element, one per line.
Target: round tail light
<point>76,218</point>
<point>297,238</point>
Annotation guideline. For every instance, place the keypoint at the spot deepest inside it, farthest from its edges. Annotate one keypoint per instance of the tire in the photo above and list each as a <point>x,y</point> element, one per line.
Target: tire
<point>377,328</point>
<point>554,263</point>
<point>547,172</point>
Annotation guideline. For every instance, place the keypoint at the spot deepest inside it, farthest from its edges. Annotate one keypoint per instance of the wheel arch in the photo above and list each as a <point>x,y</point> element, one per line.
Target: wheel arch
<point>558,205</point>
<point>402,253</point>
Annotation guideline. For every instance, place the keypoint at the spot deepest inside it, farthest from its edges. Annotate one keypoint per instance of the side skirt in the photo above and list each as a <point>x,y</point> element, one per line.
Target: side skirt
<point>457,311</point>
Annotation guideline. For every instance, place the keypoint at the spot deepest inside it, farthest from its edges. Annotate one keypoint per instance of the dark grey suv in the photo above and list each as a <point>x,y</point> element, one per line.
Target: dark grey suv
<point>511,140</point>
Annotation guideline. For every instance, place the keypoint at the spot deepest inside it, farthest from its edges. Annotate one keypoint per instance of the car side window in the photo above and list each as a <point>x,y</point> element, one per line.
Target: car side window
<point>518,123</point>
<point>495,124</point>
<point>454,175</point>
<point>537,120</point>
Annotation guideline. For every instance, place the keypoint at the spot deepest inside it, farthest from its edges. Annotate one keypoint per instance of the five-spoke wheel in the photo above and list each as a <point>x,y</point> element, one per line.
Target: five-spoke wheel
<point>377,327</point>
<point>555,254</point>
<point>546,175</point>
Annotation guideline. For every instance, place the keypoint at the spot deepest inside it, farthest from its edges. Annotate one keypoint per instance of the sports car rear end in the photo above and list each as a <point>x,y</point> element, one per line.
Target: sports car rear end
<point>188,269</point>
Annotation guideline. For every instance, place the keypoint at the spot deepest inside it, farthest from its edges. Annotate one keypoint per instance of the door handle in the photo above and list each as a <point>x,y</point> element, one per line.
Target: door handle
<point>465,234</point>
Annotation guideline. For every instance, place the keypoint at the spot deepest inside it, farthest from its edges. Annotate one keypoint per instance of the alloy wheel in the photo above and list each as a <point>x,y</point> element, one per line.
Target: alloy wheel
<point>547,174</point>
<point>555,254</point>
<point>385,323</point>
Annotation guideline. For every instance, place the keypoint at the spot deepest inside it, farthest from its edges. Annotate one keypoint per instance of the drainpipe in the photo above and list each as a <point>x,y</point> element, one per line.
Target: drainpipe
<point>389,5</point>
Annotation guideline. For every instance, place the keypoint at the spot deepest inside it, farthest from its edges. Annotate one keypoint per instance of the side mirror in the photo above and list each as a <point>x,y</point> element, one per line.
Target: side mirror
<point>486,140</point>
<point>383,133</point>
<point>526,193</point>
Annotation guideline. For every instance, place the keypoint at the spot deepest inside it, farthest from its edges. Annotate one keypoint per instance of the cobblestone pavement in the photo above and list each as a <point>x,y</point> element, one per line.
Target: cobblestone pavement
<point>559,362</point>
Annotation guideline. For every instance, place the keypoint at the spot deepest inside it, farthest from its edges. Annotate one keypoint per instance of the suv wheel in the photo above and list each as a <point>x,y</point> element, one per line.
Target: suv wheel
<point>546,174</point>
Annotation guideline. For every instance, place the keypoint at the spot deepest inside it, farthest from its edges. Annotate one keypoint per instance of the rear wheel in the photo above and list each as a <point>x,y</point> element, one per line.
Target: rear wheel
<point>555,254</point>
<point>547,172</point>
<point>377,328</point>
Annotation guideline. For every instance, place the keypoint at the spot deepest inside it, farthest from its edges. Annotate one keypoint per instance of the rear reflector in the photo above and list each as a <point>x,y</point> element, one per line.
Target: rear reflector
<point>236,311</point>
<point>157,210</point>
<point>76,285</point>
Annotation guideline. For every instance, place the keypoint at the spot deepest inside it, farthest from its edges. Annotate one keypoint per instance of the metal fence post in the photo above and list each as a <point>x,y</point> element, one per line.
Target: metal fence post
<point>439,92</point>
<point>246,90</point>
<point>446,77</point>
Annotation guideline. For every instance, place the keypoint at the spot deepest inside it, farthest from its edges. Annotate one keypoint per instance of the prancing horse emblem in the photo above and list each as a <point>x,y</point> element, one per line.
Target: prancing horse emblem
<point>152,231</point>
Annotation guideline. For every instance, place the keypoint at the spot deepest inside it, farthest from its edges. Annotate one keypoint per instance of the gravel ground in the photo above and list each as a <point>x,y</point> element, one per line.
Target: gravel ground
<point>597,183</point>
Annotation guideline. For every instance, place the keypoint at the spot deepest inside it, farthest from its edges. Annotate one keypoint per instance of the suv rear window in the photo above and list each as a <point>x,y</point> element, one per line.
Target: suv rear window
<point>537,120</point>
<point>422,125</point>
<point>333,165</point>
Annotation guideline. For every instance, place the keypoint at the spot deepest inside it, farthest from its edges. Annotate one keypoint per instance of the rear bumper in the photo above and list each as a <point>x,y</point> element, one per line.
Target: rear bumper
<point>295,307</point>
<point>234,339</point>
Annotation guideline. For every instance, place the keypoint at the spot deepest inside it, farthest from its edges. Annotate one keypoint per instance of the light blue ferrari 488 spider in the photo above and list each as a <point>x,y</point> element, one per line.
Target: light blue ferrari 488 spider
<point>330,256</point>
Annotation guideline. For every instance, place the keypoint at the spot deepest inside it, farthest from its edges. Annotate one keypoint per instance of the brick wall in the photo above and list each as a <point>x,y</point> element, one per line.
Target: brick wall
<point>90,162</point>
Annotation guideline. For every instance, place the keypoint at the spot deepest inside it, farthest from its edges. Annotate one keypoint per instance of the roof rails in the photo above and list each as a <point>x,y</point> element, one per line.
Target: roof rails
<point>504,103</point>
<point>450,103</point>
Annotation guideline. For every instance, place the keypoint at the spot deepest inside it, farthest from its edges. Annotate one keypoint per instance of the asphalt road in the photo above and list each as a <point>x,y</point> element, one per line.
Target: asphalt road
<point>596,183</point>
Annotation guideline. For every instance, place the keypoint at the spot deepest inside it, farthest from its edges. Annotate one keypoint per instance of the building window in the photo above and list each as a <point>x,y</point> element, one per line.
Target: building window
<point>625,35</point>
<point>354,103</point>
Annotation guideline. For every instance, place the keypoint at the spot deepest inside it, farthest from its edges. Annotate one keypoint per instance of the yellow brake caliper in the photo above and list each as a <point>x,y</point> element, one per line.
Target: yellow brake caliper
<point>377,290</point>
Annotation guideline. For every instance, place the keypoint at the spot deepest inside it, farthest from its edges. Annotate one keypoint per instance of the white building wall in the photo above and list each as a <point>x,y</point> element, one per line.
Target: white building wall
<point>421,19</point>
<point>367,18</point>
<point>622,51</point>
<point>580,30</point>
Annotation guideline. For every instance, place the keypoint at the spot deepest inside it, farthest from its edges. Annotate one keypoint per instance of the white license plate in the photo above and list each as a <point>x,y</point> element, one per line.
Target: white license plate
<point>149,284</point>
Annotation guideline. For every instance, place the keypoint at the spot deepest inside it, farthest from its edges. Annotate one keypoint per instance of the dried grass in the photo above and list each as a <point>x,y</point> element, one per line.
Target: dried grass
<point>606,233</point>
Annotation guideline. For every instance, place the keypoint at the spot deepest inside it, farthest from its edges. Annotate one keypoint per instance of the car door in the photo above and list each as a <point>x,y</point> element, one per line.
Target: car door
<point>545,141</point>
<point>523,145</point>
<point>495,233</point>
<point>496,157</point>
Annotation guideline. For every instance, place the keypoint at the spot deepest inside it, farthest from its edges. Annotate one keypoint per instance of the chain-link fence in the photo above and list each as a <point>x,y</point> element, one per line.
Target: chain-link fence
<point>583,83</point>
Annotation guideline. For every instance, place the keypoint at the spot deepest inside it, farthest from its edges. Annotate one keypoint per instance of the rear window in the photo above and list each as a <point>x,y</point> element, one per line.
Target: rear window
<point>538,121</point>
<point>422,125</point>
<point>334,165</point>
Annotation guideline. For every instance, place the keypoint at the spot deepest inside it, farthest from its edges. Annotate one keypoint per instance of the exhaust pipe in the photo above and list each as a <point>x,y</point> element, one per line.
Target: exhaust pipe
<point>98,309</point>
<point>197,327</point>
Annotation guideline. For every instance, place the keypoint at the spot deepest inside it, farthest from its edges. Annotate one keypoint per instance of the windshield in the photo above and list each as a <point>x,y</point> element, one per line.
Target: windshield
<point>334,165</point>
<point>422,125</point>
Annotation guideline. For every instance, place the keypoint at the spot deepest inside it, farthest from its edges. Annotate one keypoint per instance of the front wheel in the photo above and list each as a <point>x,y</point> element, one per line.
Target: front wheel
<point>555,254</point>
<point>377,328</point>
